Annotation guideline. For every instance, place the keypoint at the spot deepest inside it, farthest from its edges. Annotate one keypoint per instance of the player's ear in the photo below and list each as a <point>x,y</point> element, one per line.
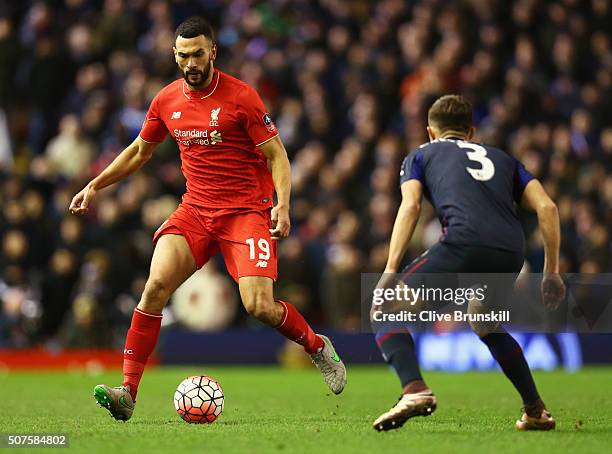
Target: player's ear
<point>431,133</point>
<point>174,50</point>
<point>213,52</point>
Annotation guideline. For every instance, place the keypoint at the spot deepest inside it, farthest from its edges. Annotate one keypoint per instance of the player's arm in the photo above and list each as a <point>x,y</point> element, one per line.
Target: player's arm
<point>405,222</point>
<point>536,199</point>
<point>275,151</point>
<point>126,163</point>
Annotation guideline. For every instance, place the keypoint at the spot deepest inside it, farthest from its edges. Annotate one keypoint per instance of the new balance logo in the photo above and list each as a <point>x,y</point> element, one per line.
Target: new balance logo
<point>175,116</point>
<point>128,351</point>
<point>261,264</point>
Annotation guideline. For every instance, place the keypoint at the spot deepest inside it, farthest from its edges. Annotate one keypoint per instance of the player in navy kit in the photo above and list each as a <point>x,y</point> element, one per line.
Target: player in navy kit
<point>473,189</point>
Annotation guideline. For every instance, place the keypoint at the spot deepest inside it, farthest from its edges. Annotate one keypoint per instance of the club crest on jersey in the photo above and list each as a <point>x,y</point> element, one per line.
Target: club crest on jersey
<point>214,116</point>
<point>175,115</point>
<point>267,121</point>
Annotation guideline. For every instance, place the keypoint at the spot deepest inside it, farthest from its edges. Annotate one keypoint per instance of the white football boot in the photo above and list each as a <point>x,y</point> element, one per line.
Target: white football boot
<point>543,422</point>
<point>408,406</point>
<point>331,366</point>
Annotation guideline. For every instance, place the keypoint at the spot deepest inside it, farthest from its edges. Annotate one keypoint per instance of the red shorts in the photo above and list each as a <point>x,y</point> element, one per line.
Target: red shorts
<point>242,236</point>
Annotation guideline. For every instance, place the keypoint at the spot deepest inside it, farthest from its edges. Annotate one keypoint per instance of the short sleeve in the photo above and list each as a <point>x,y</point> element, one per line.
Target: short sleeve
<point>253,116</point>
<point>412,167</point>
<point>153,129</point>
<point>521,178</point>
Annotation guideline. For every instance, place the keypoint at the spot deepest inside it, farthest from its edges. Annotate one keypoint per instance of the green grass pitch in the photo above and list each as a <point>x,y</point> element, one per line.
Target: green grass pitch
<point>276,410</point>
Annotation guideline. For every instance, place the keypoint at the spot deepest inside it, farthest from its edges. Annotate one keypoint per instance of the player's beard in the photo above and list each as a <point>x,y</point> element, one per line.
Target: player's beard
<point>196,78</point>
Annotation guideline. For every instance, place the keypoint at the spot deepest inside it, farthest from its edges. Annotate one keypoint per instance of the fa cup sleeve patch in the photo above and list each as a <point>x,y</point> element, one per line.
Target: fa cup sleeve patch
<point>267,120</point>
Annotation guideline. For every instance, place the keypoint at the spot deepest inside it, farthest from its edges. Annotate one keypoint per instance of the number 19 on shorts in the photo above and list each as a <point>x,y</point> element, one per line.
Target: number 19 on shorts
<point>262,254</point>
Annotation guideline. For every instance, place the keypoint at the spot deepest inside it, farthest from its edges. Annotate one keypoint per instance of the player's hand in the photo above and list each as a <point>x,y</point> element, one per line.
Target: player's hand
<point>388,279</point>
<point>553,290</point>
<point>281,222</point>
<point>80,202</point>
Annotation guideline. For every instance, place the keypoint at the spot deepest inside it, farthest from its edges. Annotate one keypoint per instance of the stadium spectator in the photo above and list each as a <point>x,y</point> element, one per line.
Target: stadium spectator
<point>348,84</point>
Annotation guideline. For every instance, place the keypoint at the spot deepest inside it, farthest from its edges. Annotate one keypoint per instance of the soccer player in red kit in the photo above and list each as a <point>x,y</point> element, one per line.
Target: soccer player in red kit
<point>226,139</point>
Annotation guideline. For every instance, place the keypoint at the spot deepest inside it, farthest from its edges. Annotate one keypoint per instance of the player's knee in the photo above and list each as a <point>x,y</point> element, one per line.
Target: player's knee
<point>482,329</point>
<point>155,295</point>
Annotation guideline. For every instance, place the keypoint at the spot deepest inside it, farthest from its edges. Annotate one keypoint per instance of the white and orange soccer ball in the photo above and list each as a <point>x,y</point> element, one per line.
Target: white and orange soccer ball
<point>199,399</point>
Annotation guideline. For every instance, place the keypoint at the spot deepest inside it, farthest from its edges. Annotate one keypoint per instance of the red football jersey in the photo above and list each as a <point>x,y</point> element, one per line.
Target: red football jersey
<point>218,131</point>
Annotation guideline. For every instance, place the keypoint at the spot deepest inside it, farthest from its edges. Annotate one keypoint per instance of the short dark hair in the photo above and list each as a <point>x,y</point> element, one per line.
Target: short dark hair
<point>451,112</point>
<point>195,26</point>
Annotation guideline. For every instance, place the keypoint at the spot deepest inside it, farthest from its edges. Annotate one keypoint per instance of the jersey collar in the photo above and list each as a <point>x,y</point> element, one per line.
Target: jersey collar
<point>202,94</point>
<point>453,138</point>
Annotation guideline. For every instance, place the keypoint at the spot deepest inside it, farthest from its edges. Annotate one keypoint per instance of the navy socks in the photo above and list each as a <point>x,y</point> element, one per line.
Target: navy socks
<point>509,355</point>
<point>398,351</point>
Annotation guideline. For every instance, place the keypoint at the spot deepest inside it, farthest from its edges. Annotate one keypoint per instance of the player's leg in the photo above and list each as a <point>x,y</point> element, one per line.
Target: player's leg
<point>396,343</point>
<point>250,257</point>
<point>181,246</point>
<point>171,265</point>
<point>397,347</point>
<point>509,355</point>
<point>503,347</point>
<point>398,350</point>
<point>257,296</point>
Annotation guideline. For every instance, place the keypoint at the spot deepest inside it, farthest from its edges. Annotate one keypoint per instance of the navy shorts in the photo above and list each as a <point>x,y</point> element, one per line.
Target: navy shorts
<point>456,258</point>
<point>447,265</point>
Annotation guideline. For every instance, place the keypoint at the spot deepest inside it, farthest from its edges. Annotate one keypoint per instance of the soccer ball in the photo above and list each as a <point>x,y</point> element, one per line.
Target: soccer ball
<point>199,399</point>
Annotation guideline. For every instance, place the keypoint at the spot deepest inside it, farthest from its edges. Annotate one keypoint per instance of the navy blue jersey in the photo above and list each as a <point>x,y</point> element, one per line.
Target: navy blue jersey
<point>473,189</point>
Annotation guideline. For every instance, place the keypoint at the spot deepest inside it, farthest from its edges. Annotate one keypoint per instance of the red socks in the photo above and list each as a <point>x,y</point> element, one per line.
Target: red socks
<point>139,344</point>
<point>144,331</point>
<point>294,327</point>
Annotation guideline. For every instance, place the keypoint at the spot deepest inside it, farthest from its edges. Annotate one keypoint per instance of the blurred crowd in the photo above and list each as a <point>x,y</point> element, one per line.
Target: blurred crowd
<point>348,84</point>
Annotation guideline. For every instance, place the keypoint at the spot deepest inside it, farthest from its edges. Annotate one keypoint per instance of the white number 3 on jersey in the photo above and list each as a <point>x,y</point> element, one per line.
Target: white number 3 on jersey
<point>479,155</point>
